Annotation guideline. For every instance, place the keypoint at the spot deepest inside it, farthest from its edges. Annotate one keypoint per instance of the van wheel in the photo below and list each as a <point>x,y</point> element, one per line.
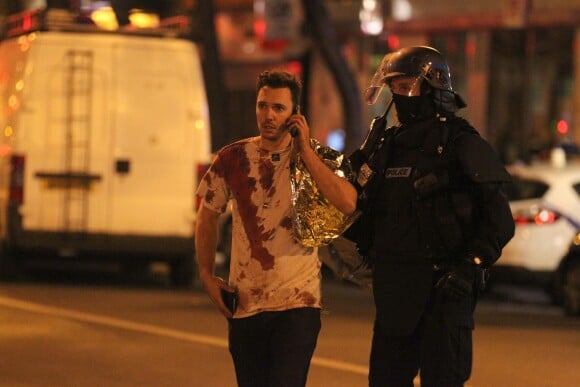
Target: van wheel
<point>9,269</point>
<point>571,290</point>
<point>5,268</point>
<point>135,270</point>
<point>182,272</point>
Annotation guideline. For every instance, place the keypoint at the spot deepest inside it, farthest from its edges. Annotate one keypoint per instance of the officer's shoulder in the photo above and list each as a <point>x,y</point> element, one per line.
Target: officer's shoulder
<point>461,127</point>
<point>476,156</point>
<point>464,135</point>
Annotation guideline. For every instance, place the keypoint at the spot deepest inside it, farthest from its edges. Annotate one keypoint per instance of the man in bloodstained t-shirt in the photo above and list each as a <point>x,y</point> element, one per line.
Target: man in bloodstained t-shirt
<point>276,280</point>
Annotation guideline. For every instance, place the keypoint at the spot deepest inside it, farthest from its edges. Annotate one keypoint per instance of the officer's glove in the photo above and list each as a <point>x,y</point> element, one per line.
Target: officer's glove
<point>457,283</point>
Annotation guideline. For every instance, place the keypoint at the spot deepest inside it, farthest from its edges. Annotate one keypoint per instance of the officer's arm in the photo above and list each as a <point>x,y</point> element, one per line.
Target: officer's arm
<point>495,227</point>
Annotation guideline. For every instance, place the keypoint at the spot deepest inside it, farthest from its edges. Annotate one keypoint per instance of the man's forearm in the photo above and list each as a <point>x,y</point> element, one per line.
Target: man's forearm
<point>206,241</point>
<point>337,190</point>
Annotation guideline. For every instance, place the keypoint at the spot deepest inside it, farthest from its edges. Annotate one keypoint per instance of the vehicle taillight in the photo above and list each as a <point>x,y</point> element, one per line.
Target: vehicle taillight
<point>16,195</point>
<point>539,216</point>
<point>201,170</point>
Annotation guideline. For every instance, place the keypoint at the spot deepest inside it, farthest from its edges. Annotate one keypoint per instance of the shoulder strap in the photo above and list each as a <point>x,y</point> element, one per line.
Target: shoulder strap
<point>451,130</point>
<point>376,133</point>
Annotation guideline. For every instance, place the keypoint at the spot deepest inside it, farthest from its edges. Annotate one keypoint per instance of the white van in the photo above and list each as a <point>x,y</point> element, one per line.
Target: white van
<point>103,136</point>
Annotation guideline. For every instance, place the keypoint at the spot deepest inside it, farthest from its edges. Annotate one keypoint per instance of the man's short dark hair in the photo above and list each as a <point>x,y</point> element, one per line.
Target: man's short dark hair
<point>278,79</point>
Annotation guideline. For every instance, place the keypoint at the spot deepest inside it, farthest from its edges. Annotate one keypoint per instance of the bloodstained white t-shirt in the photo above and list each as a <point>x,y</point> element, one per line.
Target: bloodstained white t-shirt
<point>270,268</point>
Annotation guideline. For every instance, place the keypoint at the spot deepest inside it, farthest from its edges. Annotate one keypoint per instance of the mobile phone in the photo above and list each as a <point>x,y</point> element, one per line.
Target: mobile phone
<point>230,300</point>
<point>294,130</point>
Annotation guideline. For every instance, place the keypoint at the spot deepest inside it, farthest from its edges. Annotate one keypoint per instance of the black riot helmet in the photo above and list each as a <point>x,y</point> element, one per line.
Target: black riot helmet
<point>426,64</point>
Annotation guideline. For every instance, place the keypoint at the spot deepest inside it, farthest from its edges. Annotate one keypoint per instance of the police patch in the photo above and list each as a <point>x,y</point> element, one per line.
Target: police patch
<point>364,175</point>
<point>398,172</point>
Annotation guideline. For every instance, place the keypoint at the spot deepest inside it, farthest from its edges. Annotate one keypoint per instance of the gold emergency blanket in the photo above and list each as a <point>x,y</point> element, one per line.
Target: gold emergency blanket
<point>316,222</point>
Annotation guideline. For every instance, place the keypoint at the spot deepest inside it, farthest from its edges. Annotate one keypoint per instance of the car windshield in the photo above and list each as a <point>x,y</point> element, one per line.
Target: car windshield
<point>524,189</point>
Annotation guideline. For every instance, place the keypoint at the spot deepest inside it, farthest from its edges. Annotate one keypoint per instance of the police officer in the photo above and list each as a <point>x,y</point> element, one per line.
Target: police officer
<point>430,189</point>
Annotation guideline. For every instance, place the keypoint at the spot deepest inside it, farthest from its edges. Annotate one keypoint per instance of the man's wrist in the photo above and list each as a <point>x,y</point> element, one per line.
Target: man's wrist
<point>205,274</point>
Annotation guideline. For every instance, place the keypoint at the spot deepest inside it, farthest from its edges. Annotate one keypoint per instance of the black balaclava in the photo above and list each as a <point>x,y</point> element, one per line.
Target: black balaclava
<point>431,101</point>
<point>413,109</point>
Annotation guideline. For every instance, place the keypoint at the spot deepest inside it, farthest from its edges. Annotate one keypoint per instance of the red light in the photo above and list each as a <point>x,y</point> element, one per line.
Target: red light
<point>274,45</point>
<point>260,28</point>
<point>26,22</point>
<point>16,191</point>
<point>393,42</point>
<point>470,49</point>
<point>295,67</point>
<point>562,127</point>
<point>5,150</point>
<point>267,44</point>
<point>520,220</point>
<point>539,218</point>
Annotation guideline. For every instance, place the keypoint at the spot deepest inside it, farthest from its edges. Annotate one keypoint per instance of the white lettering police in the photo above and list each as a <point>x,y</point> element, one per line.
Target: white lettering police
<point>398,172</point>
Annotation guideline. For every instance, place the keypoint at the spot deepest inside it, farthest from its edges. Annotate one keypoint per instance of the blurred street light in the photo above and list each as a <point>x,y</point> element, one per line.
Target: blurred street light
<point>371,17</point>
<point>402,10</point>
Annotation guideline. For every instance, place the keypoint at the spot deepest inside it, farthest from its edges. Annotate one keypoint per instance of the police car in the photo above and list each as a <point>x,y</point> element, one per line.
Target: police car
<point>545,203</point>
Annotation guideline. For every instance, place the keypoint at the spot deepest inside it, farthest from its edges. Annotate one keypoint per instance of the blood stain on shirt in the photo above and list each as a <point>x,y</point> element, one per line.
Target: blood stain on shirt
<point>266,172</point>
<point>242,186</point>
<point>209,195</point>
<point>286,223</point>
<point>307,298</point>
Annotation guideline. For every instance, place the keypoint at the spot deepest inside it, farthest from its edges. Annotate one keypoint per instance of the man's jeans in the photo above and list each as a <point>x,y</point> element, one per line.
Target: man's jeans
<point>274,348</point>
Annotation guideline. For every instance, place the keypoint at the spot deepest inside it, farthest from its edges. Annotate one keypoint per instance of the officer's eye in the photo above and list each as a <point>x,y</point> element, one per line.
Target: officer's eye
<point>401,89</point>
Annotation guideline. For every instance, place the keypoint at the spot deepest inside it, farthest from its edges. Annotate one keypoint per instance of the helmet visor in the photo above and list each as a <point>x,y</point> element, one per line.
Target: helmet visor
<point>372,93</point>
<point>377,82</point>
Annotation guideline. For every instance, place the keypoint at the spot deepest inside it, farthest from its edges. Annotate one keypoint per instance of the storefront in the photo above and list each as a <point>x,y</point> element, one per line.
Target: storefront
<point>515,62</point>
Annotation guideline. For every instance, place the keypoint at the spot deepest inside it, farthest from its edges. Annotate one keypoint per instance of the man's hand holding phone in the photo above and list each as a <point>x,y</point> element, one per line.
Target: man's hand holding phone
<point>299,130</point>
<point>230,299</point>
<point>223,295</point>
<point>293,128</point>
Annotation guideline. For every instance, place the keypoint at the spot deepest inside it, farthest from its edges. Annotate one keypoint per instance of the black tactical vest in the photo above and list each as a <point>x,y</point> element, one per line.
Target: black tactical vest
<point>423,208</point>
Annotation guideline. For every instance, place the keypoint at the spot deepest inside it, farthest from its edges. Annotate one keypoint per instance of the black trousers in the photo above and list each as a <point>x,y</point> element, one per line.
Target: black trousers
<point>274,349</point>
<point>440,347</point>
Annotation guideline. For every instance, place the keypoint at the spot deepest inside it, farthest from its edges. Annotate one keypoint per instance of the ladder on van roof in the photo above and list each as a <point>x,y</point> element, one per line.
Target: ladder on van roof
<point>78,89</point>
<point>74,123</point>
